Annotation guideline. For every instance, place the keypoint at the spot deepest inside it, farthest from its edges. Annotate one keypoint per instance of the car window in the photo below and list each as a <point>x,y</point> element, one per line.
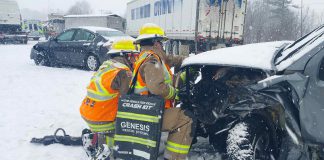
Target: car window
<point>35,27</point>
<point>83,35</point>
<point>111,33</point>
<point>321,71</point>
<point>66,36</point>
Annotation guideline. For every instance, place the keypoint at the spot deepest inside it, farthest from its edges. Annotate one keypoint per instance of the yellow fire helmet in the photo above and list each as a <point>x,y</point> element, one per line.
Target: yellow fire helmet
<point>150,31</point>
<point>123,46</point>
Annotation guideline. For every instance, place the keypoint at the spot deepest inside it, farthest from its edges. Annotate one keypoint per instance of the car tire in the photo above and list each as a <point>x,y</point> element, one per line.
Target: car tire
<point>92,63</point>
<point>42,59</point>
<point>249,140</point>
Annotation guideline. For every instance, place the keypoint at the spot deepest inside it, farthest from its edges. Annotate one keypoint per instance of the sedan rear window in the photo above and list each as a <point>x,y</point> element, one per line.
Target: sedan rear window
<point>111,33</point>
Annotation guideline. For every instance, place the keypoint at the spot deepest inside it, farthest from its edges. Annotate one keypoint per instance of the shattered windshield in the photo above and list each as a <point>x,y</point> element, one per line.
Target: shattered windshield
<point>111,33</point>
<point>298,45</point>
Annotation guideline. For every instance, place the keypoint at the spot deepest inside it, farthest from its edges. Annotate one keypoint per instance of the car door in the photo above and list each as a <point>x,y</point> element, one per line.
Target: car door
<point>60,46</point>
<point>312,104</point>
<point>81,46</point>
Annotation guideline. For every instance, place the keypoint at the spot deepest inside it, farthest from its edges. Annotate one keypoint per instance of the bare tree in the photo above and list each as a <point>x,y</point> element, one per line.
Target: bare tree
<point>272,20</point>
<point>80,7</point>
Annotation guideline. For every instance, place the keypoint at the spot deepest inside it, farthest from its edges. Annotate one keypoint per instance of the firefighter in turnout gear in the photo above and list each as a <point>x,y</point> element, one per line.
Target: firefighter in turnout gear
<point>99,107</point>
<point>154,77</point>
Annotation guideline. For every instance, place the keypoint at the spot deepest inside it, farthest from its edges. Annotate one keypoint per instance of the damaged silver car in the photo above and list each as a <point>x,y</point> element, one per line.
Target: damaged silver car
<point>260,101</point>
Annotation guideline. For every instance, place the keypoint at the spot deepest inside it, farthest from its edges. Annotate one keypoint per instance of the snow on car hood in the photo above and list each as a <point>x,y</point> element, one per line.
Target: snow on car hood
<point>259,55</point>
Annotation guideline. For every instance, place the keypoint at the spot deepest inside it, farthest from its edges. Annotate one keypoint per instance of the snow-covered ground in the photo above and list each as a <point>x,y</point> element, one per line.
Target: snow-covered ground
<point>36,100</point>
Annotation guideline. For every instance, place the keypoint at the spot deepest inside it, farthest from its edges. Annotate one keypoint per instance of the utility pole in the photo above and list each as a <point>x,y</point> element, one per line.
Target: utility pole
<point>196,27</point>
<point>301,18</point>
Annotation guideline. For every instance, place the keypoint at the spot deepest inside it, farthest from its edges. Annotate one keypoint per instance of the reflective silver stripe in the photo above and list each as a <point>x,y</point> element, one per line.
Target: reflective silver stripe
<point>102,94</point>
<point>101,90</point>
<point>99,97</point>
<point>140,90</point>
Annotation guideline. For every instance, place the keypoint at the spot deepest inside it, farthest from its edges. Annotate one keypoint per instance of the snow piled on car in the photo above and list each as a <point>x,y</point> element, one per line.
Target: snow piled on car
<point>258,56</point>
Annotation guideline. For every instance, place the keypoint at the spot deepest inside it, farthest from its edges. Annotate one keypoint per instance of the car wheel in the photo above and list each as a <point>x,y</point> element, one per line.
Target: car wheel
<point>92,63</point>
<point>249,140</point>
<point>41,59</point>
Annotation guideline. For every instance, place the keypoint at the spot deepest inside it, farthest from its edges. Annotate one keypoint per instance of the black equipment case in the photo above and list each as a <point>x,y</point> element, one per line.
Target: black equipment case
<point>138,127</point>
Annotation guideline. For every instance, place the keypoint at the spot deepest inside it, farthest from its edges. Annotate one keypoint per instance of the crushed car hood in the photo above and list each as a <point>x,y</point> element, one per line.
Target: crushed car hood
<point>259,56</point>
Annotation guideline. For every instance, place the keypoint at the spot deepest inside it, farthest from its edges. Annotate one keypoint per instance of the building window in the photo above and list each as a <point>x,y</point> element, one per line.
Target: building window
<point>35,27</point>
<point>163,7</point>
<point>321,71</point>
<point>30,27</point>
<point>157,7</point>
<point>147,10</point>
<point>138,13</point>
<point>133,14</point>
<point>142,12</point>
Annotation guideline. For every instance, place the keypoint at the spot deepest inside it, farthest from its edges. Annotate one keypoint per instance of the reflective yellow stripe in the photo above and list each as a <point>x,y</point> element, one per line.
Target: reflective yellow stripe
<point>132,139</point>
<point>102,127</point>
<point>101,94</point>
<point>140,117</point>
<point>110,141</point>
<point>171,92</point>
<point>167,76</point>
<point>177,148</point>
<point>139,89</point>
<point>183,76</point>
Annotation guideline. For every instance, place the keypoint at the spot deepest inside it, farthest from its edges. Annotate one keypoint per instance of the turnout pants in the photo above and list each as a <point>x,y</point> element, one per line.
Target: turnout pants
<point>105,132</point>
<point>181,126</point>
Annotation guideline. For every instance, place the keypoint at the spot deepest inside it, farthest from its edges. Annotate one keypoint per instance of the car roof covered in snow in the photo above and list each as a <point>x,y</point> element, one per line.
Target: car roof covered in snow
<point>96,29</point>
<point>259,56</point>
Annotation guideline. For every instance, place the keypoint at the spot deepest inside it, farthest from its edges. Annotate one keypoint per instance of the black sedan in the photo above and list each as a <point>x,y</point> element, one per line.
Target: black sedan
<point>83,47</point>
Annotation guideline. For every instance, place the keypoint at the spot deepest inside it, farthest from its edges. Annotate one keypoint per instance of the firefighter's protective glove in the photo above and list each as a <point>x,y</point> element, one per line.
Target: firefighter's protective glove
<point>193,73</point>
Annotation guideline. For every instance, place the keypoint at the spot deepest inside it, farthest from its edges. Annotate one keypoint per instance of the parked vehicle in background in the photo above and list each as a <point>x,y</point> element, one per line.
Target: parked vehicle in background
<point>205,23</point>
<point>101,20</point>
<point>34,28</point>
<point>82,46</point>
<point>10,23</point>
<point>53,27</point>
<point>260,101</point>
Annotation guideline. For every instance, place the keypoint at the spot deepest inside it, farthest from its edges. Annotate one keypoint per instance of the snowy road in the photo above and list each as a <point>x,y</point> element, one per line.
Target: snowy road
<point>35,101</point>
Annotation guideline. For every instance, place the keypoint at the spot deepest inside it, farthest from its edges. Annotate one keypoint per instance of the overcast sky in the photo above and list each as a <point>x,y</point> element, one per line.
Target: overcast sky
<point>117,6</point>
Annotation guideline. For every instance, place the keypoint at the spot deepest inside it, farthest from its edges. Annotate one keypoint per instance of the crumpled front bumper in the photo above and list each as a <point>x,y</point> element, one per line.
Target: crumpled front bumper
<point>33,53</point>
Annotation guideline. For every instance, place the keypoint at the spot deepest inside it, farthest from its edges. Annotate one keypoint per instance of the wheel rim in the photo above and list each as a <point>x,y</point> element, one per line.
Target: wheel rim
<point>92,63</point>
<point>262,148</point>
<point>40,59</point>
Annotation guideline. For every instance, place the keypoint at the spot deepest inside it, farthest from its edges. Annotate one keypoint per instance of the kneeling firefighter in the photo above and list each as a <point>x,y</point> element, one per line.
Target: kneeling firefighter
<point>154,77</point>
<point>99,107</point>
